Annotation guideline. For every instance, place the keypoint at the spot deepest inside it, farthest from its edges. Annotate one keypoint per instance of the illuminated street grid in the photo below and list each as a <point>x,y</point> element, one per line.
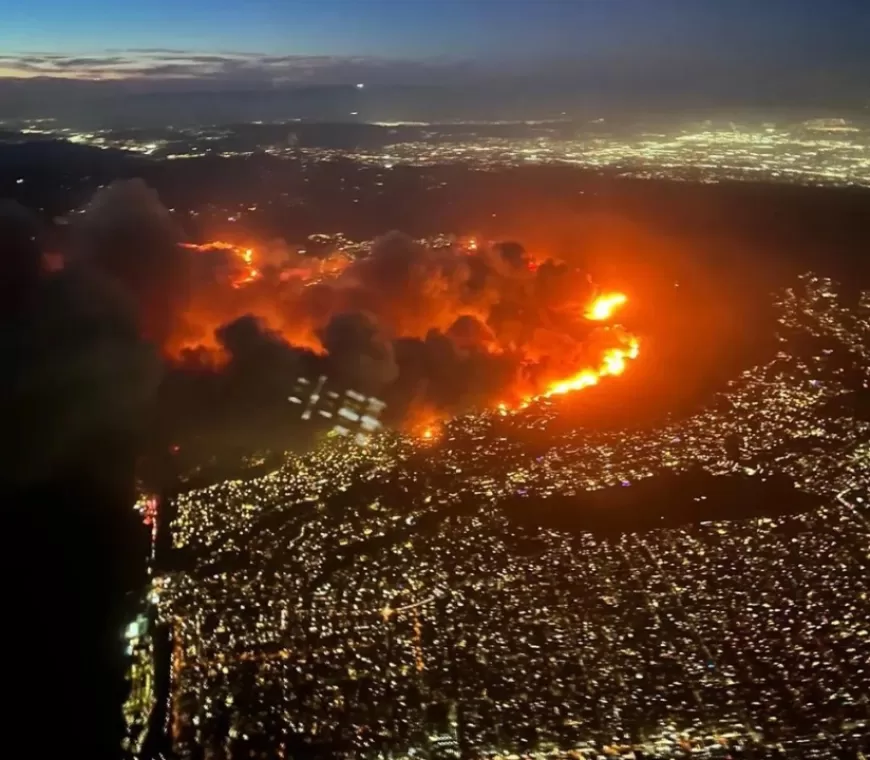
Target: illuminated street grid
<point>334,599</point>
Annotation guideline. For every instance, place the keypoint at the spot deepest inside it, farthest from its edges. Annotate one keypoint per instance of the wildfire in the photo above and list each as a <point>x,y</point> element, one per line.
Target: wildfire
<point>613,362</point>
<point>603,307</point>
<point>244,258</point>
<point>251,272</point>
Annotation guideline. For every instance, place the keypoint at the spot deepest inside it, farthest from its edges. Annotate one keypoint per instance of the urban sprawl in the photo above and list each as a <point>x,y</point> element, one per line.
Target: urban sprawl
<point>379,600</point>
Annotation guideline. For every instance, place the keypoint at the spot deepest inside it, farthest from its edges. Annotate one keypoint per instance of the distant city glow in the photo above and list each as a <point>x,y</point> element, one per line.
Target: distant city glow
<point>818,151</point>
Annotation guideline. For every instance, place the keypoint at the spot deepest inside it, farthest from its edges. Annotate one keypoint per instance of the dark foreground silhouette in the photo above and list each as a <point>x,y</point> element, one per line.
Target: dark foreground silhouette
<point>74,387</point>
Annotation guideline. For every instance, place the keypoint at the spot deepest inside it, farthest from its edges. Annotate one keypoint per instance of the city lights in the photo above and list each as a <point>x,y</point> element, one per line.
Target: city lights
<point>394,568</point>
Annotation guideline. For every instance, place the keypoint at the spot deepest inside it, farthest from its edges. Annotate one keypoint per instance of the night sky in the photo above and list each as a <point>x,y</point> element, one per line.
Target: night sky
<point>550,55</point>
<point>411,28</point>
<point>534,34</point>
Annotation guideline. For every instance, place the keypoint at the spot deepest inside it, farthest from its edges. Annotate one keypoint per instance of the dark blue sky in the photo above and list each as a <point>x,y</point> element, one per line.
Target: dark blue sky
<point>416,40</point>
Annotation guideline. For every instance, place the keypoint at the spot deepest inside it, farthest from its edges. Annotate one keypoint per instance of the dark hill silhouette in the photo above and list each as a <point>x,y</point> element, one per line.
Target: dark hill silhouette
<point>664,501</point>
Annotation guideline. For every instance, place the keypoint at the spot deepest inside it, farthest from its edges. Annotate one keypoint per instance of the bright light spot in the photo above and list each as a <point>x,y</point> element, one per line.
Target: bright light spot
<point>613,361</point>
<point>604,306</point>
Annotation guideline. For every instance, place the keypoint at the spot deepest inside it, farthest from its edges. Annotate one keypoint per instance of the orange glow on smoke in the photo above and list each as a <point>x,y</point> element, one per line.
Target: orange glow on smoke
<point>212,306</point>
<point>244,258</point>
<point>295,273</point>
<point>613,361</point>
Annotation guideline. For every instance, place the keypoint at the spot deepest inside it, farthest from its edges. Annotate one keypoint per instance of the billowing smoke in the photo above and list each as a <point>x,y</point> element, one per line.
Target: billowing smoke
<point>128,234</point>
<point>78,379</point>
<point>441,329</point>
<point>424,328</point>
<point>358,351</point>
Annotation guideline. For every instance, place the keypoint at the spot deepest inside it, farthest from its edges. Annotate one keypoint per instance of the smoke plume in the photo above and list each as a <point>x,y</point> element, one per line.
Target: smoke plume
<point>440,328</point>
<point>422,327</point>
<point>129,235</point>
<point>77,374</point>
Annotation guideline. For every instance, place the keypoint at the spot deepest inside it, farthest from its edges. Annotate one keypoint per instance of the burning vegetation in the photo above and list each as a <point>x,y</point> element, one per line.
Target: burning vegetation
<point>521,327</point>
<point>433,330</point>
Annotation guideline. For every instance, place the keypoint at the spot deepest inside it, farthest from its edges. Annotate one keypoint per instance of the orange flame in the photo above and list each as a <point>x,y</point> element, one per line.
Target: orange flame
<point>244,257</point>
<point>251,272</point>
<point>603,307</point>
<point>613,363</point>
<point>614,360</point>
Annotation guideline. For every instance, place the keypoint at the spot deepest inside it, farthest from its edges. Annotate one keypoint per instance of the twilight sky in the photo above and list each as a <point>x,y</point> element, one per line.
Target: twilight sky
<point>417,41</point>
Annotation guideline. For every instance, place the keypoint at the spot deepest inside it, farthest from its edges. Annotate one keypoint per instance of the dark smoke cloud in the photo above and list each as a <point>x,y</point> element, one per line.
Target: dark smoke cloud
<point>441,377</point>
<point>260,369</point>
<point>359,351</point>
<point>77,373</point>
<point>442,329</point>
<point>411,289</point>
<point>128,234</point>
<point>243,401</point>
<point>437,328</point>
<point>469,333</point>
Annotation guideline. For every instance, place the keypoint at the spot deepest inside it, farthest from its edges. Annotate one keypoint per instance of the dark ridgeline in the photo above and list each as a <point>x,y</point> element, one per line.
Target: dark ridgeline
<point>74,388</point>
<point>667,500</point>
